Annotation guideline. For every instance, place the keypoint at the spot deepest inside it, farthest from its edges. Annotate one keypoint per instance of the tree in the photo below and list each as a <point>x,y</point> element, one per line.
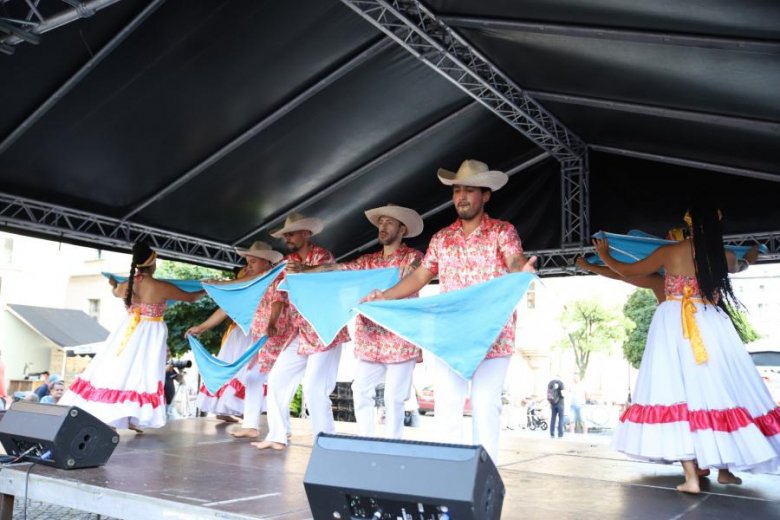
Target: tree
<point>639,308</point>
<point>181,315</point>
<point>590,327</point>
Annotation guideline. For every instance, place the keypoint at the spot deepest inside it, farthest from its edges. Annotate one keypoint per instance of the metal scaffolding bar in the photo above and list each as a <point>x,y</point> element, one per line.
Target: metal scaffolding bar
<point>79,75</point>
<point>575,225</point>
<point>420,32</point>
<point>616,34</point>
<point>448,204</point>
<point>701,165</point>
<point>683,115</point>
<point>59,222</point>
<point>319,194</point>
<point>362,57</point>
<point>43,25</point>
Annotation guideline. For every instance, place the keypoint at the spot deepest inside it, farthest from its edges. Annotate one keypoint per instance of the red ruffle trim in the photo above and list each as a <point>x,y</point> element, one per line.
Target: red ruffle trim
<point>729,420</point>
<point>88,392</point>
<point>235,384</point>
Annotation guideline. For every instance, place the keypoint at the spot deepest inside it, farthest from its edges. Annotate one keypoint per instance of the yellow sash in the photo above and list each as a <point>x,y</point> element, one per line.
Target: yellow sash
<point>135,319</point>
<point>689,325</point>
<point>227,333</point>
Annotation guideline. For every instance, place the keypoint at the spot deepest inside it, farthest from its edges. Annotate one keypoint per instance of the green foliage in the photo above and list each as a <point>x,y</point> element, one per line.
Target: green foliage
<point>181,316</point>
<point>590,327</point>
<point>639,308</point>
<point>296,407</point>
<point>745,330</point>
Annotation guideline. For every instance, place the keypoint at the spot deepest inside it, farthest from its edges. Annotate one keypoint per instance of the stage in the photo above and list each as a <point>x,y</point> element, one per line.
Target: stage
<point>192,469</point>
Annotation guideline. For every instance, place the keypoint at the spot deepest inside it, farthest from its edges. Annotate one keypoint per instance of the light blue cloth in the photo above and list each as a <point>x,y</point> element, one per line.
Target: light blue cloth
<point>458,327</point>
<point>638,245</point>
<point>184,285</point>
<point>214,371</point>
<point>240,300</point>
<point>328,300</point>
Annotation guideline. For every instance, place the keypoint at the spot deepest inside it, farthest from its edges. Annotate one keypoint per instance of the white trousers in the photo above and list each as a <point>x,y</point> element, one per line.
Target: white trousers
<point>254,398</point>
<point>398,385</point>
<point>450,394</point>
<point>318,372</point>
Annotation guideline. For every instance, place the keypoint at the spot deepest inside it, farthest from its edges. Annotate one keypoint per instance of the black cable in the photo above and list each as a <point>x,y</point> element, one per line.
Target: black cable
<point>26,484</point>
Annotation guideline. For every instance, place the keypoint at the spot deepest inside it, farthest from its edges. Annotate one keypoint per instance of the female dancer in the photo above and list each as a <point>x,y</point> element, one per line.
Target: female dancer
<point>698,395</point>
<point>123,385</point>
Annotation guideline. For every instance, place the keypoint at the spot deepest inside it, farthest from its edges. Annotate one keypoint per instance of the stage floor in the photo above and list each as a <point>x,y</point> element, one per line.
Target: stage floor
<point>193,469</point>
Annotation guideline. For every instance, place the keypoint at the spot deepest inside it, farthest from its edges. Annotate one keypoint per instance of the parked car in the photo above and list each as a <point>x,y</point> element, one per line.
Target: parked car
<point>426,401</point>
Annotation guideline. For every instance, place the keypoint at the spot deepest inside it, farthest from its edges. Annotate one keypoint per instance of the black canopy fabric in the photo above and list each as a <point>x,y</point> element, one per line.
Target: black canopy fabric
<point>336,102</point>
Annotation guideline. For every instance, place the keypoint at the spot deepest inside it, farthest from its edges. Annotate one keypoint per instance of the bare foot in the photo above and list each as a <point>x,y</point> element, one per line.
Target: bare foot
<point>136,429</point>
<point>264,445</point>
<point>226,418</point>
<point>727,477</point>
<point>702,472</point>
<point>689,487</point>
<point>246,433</point>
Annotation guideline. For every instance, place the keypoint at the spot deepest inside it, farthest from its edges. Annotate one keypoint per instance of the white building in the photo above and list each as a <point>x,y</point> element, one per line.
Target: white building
<point>49,274</point>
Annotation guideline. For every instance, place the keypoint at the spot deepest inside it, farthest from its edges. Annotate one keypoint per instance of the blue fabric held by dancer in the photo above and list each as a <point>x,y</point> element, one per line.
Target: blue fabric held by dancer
<point>214,371</point>
<point>458,327</point>
<point>190,286</point>
<point>240,300</point>
<point>328,300</point>
<point>638,245</point>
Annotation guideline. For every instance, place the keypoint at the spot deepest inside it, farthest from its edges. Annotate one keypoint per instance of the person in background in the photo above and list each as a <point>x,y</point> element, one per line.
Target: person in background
<point>555,390</point>
<point>44,390</point>
<point>55,394</point>
<point>577,402</point>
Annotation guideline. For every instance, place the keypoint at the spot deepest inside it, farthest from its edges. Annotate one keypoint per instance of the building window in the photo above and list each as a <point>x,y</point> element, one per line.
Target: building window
<point>531,296</point>
<point>760,287</point>
<point>8,251</point>
<point>94,309</point>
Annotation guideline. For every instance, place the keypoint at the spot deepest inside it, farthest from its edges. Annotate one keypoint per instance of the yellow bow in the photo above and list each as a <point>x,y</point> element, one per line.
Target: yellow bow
<point>227,333</point>
<point>135,319</point>
<point>691,328</point>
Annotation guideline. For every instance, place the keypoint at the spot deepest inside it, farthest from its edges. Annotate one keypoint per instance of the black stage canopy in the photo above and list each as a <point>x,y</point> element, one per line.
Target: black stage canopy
<point>200,124</point>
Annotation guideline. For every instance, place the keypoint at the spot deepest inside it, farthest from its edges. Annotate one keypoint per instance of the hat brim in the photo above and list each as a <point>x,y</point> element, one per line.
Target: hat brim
<point>313,224</point>
<point>408,217</point>
<point>494,180</point>
<point>272,256</point>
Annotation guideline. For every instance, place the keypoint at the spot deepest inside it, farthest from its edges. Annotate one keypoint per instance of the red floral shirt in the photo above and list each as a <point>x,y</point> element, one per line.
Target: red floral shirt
<point>274,346</point>
<point>372,342</point>
<point>309,342</point>
<point>462,261</point>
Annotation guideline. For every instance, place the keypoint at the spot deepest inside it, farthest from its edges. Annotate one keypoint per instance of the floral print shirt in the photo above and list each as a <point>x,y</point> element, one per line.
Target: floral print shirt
<point>461,261</point>
<point>372,342</point>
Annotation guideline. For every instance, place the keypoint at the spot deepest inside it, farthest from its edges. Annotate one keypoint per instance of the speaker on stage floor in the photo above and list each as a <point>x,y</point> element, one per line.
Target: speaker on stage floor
<point>357,477</point>
<point>74,438</point>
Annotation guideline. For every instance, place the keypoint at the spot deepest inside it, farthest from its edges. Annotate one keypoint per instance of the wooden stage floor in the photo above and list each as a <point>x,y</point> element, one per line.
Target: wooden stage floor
<point>193,469</point>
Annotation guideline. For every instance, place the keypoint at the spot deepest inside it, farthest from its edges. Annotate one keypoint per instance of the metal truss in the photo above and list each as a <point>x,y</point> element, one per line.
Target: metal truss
<point>415,28</point>
<point>34,23</point>
<point>63,223</point>
<point>419,31</point>
<point>575,229</point>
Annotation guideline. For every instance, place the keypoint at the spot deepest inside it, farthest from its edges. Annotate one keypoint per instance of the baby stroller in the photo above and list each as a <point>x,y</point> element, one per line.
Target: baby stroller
<point>535,419</point>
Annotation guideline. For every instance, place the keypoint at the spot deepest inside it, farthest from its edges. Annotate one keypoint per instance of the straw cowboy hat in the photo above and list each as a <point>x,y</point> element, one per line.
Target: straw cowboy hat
<point>299,222</point>
<point>474,173</point>
<point>408,217</point>
<point>261,250</point>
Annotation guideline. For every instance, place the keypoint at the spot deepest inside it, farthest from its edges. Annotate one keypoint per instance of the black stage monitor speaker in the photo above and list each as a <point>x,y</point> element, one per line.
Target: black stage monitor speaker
<point>354,477</point>
<point>74,438</point>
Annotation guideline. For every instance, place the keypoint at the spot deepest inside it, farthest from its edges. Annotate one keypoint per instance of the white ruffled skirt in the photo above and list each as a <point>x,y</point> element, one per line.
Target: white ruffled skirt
<point>123,385</point>
<point>719,413</point>
<point>229,400</point>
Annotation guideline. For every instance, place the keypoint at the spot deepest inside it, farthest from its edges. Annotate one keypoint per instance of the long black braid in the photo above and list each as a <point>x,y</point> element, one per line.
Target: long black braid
<point>712,270</point>
<point>141,253</point>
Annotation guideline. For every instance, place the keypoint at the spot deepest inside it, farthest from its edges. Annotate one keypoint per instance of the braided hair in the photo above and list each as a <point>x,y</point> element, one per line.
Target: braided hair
<point>709,255</point>
<point>141,253</point>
